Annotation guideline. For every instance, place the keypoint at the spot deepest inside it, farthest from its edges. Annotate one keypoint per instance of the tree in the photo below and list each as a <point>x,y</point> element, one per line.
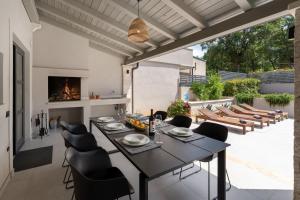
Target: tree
<point>260,48</point>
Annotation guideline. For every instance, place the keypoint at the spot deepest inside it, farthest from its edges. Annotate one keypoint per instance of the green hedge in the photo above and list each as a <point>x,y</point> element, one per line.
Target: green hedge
<point>211,90</point>
<point>245,86</point>
<point>279,99</point>
<point>245,98</point>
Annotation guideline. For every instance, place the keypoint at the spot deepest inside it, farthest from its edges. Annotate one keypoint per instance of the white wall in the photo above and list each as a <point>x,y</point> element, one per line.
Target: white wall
<point>200,67</point>
<point>182,57</point>
<point>15,27</point>
<point>56,48</point>
<point>155,86</point>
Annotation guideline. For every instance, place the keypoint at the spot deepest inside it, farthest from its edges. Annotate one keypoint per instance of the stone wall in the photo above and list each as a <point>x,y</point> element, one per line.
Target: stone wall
<point>297,110</point>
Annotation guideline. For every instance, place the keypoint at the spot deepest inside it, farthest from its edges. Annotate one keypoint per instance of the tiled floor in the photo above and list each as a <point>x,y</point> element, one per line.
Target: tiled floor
<point>260,165</point>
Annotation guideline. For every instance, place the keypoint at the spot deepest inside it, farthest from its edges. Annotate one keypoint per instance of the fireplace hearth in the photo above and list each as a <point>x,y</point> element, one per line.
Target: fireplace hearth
<point>63,88</point>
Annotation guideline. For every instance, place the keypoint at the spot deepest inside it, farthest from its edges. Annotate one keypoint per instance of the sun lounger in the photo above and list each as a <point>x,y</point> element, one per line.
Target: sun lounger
<point>251,108</point>
<point>241,110</point>
<point>206,114</point>
<point>227,112</point>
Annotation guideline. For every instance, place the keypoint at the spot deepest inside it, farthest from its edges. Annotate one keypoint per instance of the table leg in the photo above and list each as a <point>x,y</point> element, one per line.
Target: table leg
<point>143,187</point>
<point>222,175</point>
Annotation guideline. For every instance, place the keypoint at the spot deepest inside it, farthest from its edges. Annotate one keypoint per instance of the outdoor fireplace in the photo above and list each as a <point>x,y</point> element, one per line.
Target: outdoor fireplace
<point>63,88</point>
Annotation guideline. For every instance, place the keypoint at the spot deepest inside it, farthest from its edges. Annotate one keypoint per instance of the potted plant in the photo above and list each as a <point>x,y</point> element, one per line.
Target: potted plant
<point>179,107</point>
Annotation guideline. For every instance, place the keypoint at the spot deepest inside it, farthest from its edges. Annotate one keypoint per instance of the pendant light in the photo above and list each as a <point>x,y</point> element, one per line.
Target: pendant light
<point>138,30</point>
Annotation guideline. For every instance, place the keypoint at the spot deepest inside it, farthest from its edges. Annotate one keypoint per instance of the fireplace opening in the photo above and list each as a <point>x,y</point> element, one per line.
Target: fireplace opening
<point>64,88</point>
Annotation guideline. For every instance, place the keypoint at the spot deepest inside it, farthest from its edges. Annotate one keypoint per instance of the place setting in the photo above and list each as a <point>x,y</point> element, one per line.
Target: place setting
<point>137,143</point>
<point>115,127</point>
<point>181,133</point>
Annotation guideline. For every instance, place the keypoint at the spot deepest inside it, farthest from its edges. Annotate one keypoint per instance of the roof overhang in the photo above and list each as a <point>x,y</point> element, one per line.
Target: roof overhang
<point>264,13</point>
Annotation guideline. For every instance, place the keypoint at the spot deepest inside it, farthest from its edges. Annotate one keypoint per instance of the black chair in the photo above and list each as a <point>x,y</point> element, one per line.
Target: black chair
<point>163,114</point>
<point>95,178</point>
<point>83,143</point>
<point>77,129</point>
<point>181,121</point>
<point>217,132</point>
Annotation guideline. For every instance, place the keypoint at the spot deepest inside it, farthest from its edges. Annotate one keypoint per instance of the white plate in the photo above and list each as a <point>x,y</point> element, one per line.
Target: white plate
<point>114,126</point>
<point>106,119</point>
<point>135,140</point>
<point>181,132</point>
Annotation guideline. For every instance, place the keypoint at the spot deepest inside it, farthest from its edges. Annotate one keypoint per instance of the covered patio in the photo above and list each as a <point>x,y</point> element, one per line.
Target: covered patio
<point>78,64</point>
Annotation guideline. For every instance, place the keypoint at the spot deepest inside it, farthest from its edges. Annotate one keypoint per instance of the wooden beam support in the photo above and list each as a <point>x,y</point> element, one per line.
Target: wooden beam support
<point>245,4</point>
<point>85,35</point>
<point>31,11</point>
<point>267,12</point>
<point>101,17</point>
<point>122,5</point>
<point>182,9</point>
<point>78,22</point>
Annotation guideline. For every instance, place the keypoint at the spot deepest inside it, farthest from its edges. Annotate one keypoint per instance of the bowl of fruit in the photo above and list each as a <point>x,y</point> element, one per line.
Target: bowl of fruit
<point>137,124</point>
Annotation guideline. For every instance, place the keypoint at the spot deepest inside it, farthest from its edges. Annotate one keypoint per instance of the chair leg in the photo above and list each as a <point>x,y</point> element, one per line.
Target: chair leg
<point>63,164</point>
<point>73,196</point>
<point>183,177</point>
<point>66,173</point>
<point>228,182</point>
<point>182,170</point>
<point>69,181</point>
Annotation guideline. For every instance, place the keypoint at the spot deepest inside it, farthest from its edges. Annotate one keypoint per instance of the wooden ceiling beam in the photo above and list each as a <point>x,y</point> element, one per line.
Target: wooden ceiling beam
<point>182,9</point>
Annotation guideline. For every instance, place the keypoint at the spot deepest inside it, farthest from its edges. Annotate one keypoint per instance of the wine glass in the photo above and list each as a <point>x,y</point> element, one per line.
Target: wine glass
<point>157,122</point>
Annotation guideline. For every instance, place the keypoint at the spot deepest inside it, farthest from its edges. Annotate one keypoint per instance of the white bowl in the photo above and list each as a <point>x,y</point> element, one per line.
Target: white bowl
<point>136,140</point>
<point>105,119</point>
<point>114,126</point>
<point>181,131</point>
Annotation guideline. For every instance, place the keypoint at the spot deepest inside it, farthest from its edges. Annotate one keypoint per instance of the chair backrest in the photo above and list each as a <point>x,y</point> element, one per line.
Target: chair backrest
<point>162,113</point>
<point>240,109</point>
<point>181,121</point>
<point>213,130</point>
<point>94,177</point>
<point>74,128</point>
<point>227,111</point>
<point>85,142</point>
<point>209,113</point>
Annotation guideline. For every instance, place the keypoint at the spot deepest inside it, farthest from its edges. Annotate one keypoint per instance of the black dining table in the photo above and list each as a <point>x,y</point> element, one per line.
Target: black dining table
<point>171,155</point>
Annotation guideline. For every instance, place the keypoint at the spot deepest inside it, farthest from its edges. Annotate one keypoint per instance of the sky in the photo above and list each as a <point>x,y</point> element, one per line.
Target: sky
<point>197,50</point>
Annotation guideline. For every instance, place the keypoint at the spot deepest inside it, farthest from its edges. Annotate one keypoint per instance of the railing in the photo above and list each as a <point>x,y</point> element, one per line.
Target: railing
<point>187,80</point>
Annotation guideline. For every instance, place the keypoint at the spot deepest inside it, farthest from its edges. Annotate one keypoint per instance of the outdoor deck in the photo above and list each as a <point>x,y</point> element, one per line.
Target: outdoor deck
<point>259,164</point>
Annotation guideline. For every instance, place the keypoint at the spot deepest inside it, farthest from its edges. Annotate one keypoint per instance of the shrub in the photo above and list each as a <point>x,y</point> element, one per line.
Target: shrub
<point>279,99</point>
<point>245,98</point>
<point>214,87</point>
<point>199,90</point>
<point>179,107</point>
<point>236,86</point>
<point>212,90</point>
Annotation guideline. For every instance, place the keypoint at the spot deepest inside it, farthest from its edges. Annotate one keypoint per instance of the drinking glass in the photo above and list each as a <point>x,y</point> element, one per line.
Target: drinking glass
<point>157,122</point>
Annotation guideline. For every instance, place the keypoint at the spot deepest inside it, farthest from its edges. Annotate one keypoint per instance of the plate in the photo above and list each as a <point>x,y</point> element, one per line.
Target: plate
<point>114,126</point>
<point>181,132</point>
<point>135,140</point>
<point>105,119</point>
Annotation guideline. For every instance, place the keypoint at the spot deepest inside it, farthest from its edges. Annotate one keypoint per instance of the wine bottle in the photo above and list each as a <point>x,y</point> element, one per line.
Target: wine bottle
<point>151,124</point>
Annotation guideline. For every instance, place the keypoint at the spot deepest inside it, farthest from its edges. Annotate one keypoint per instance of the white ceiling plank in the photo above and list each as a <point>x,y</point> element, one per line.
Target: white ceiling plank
<point>185,11</point>
<point>150,22</point>
<point>104,49</point>
<point>101,17</point>
<point>85,35</point>
<point>245,4</point>
<point>92,28</point>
